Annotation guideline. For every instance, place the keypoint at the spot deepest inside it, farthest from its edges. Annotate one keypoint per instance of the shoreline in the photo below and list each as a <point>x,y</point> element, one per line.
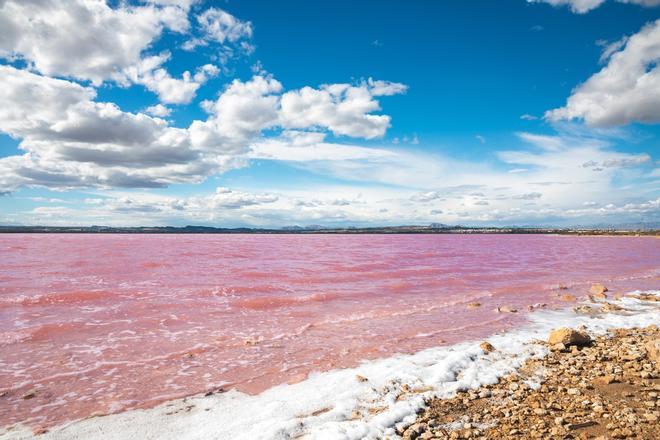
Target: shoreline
<point>375,230</point>
<point>605,388</point>
<point>378,399</point>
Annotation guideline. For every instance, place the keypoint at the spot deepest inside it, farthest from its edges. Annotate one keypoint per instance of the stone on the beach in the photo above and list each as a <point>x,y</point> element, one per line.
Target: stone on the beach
<point>598,290</point>
<point>568,337</point>
<point>361,378</point>
<point>584,309</point>
<point>604,380</point>
<point>473,305</point>
<point>487,347</point>
<point>558,347</point>
<point>653,350</point>
<point>574,395</point>
<point>506,309</point>
<point>568,297</point>
<point>609,307</point>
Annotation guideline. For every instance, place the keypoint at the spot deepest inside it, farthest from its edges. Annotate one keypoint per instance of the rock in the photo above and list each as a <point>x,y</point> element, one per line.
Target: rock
<point>604,380</point>
<point>361,378</point>
<point>506,309</point>
<point>584,309</point>
<point>568,297</point>
<point>565,404</point>
<point>30,394</point>
<point>598,290</point>
<point>609,307</point>
<point>586,424</point>
<point>653,350</point>
<point>558,347</point>
<point>414,431</point>
<point>568,337</point>
<point>473,305</point>
<point>487,347</point>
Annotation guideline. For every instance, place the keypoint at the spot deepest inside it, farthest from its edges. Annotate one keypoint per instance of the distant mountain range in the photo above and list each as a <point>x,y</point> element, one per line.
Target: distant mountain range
<point>433,228</point>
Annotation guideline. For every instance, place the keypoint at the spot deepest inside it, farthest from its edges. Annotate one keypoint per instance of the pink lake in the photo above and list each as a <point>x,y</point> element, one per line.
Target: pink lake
<point>94,324</point>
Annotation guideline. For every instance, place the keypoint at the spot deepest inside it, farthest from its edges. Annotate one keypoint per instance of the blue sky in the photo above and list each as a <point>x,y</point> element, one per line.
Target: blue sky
<point>174,112</point>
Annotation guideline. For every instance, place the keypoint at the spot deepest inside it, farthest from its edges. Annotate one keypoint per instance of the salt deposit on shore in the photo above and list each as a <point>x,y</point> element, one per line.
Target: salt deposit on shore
<point>378,399</point>
<point>600,389</point>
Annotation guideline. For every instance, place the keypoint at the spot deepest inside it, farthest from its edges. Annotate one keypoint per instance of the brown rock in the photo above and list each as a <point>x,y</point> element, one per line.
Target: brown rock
<point>568,337</point>
<point>361,378</point>
<point>608,308</point>
<point>487,347</point>
<point>598,290</point>
<point>506,309</point>
<point>558,347</point>
<point>604,380</point>
<point>573,426</point>
<point>568,297</point>
<point>584,309</point>
<point>30,394</point>
<point>473,305</point>
<point>653,350</point>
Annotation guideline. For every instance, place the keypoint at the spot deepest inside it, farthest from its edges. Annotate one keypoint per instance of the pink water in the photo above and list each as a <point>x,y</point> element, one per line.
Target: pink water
<point>103,323</point>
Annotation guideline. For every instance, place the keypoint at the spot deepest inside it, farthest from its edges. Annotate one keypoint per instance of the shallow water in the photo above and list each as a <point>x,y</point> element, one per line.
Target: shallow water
<point>102,323</point>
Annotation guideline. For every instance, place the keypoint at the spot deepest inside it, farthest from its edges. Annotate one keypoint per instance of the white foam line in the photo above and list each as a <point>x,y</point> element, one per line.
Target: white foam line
<point>335,404</point>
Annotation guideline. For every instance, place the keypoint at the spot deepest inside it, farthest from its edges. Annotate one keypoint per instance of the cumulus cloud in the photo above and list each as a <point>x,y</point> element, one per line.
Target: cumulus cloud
<point>342,108</point>
<point>583,6</point>
<point>216,25</point>
<point>71,140</point>
<point>170,90</point>
<point>105,40</point>
<point>158,110</point>
<point>111,43</point>
<point>626,90</point>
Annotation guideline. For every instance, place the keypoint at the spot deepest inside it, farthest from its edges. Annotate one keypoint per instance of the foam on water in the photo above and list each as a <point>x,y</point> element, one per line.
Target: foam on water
<point>335,404</point>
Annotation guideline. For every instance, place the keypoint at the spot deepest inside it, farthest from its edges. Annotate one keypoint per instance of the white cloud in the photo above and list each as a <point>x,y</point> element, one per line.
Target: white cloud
<point>550,143</point>
<point>105,40</point>
<point>216,25</point>
<point>241,112</point>
<point>627,89</point>
<point>149,73</point>
<point>158,110</point>
<point>70,140</point>
<point>221,26</point>
<point>110,44</point>
<point>583,6</point>
<point>344,109</point>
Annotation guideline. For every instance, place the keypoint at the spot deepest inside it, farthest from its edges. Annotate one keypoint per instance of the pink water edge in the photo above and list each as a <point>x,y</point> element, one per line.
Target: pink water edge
<point>94,324</point>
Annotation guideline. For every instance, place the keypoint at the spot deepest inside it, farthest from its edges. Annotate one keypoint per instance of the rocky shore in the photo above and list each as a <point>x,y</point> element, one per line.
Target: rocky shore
<point>604,387</point>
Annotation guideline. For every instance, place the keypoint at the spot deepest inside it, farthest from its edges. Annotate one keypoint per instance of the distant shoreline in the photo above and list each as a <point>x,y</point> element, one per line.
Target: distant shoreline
<point>320,230</point>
